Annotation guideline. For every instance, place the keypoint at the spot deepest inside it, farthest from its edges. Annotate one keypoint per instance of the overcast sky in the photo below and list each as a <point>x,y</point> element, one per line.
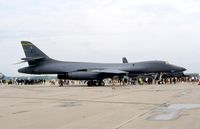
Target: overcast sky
<point>101,31</point>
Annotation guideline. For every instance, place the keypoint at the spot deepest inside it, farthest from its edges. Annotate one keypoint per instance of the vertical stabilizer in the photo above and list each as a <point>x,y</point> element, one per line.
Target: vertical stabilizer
<point>31,50</point>
<point>32,53</point>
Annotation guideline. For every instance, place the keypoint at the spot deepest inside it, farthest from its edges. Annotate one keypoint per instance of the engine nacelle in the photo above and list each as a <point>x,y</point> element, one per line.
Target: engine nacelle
<point>79,76</point>
<point>62,76</point>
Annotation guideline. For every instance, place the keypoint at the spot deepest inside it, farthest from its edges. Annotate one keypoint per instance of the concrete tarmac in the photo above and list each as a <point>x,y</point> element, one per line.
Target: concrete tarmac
<point>126,107</point>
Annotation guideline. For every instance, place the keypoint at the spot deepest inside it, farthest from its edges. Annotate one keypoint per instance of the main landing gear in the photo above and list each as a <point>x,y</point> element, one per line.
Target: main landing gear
<point>158,76</point>
<point>95,83</point>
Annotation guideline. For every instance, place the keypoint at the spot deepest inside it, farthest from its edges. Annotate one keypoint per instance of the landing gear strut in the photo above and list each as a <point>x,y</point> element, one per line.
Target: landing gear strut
<point>159,76</point>
<point>95,83</point>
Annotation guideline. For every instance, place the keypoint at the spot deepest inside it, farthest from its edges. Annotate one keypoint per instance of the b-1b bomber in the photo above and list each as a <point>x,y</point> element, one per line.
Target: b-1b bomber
<point>93,73</point>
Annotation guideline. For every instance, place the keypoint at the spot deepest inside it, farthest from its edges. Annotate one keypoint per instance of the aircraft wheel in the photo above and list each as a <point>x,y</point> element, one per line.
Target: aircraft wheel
<point>101,83</point>
<point>89,83</point>
<point>96,83</point>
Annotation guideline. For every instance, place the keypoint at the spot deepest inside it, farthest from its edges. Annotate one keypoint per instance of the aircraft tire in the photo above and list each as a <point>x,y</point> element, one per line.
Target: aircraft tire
<point>96,83</point>
<point>101,83</point>
<point>89,83</point>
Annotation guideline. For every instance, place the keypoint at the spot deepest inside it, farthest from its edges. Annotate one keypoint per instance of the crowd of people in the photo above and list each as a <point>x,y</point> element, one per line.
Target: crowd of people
<point>123,81</point>
<point>23,82</point>
<point>151,81</point>
<point>172,80</point>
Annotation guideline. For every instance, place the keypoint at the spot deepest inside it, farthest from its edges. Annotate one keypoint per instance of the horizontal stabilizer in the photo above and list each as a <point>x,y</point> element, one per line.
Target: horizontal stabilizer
<point>30,59</point>
<point>33,59</point>
<point>20,62</point>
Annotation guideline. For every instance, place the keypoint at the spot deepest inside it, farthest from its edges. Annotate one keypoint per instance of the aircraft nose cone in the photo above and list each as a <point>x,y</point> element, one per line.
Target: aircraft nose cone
<point>178,68</point>
<point>183,69</point>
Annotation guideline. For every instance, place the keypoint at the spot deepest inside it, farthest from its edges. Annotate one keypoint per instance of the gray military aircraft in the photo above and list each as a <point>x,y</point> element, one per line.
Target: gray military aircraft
<point>94,73</point>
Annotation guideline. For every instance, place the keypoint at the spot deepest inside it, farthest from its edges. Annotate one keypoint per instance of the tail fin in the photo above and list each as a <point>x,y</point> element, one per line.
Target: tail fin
<point>31,50</point>
<point>33,54</point>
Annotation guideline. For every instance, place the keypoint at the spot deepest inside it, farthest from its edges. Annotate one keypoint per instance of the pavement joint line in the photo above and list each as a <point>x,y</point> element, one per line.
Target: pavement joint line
<point>140,115</point>
<point>131,119</point>
<point>114,95</point>
<point>137,116</point>
<point>92,101</point>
